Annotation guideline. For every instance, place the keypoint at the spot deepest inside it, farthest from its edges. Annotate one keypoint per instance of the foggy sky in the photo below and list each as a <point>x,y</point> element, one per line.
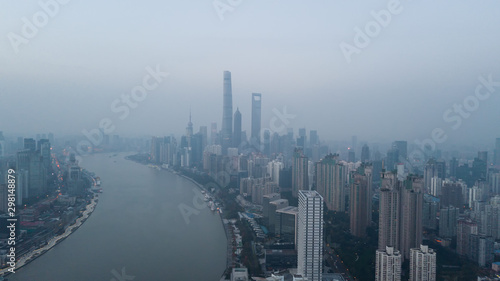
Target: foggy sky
<point>427,59</point>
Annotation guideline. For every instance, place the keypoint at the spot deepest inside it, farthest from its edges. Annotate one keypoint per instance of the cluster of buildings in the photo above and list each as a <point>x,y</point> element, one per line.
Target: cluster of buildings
<point>33,165</point>
<point>444,194</point>
<point>462,202</point>
<point>49,194</point>
<point>400,229</point>
<point>300,234</point>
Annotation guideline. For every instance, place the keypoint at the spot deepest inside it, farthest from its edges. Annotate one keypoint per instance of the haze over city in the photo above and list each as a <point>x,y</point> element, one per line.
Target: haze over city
<point>239,140</point>
<point>427,59</point>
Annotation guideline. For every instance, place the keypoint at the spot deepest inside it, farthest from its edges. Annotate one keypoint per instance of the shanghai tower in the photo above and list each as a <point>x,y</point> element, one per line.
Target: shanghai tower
<point>227,114</point>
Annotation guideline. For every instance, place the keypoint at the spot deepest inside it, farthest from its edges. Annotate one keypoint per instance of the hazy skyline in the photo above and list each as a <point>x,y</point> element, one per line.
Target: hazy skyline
<point>425,60</point>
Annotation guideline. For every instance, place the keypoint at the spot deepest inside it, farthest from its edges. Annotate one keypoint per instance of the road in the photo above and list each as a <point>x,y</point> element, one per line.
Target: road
<point>333,260</point>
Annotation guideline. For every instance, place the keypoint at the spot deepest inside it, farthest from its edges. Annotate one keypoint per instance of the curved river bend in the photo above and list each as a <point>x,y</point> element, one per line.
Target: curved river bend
<point>136,231</point>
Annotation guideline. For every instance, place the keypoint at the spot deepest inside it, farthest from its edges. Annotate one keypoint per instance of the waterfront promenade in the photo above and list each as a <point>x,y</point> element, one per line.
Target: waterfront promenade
<point>56,239</point>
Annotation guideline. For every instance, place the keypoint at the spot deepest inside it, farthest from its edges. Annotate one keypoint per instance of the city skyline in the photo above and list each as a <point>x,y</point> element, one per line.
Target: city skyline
<point>345,141</point>
<point>307,67</point>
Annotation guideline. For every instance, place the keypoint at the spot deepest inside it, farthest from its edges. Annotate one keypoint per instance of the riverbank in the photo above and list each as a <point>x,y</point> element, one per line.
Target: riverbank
<point>26,259</point>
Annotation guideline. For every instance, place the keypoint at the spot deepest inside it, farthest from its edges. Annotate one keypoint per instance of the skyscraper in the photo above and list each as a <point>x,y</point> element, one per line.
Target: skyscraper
<point>351,158</point>
<point>411,209</point>
<point>227,114</point>
<point>155,150</point>
<point>300,172</point>
<point>392,159</point>
<point>433,169</point>
<point>256,118</point>
<point>30,144</point>
<point>481,249</point>
<point>310,235</point>
<point>237,128</point>
<point>214,138</point>
<point>465,229</point>
<point>2,145</point>
<point>451,195</point>
<point>388,265</point>
<point>453,167</point>
<point>44,148</point>
<point>422,264</point>
<point>402,147</point>
<point>204,136</point>
<point>400,221</point>
<point>189,131</point>
<point>365,154</point>
<point>313,138</point>
<point>430,211</point>
<point>302,132</point>
<point>360,212</point>
<point>389,218</point>
<point>497,152</point>
<point>448,222</point>
<point>331,177</point>
<point>302,139</point>
<point>267,142</point>
<point>480,166</point>
<point>494,180</point>
<point>32,162</point>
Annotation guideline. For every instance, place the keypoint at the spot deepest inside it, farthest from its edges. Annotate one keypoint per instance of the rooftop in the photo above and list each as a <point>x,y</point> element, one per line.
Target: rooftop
<point>279,201</point>
<point>289,210</point>
<point>310,193</point>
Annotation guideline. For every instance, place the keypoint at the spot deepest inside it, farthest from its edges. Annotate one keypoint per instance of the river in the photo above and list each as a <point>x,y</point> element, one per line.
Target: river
<point>136,232</point>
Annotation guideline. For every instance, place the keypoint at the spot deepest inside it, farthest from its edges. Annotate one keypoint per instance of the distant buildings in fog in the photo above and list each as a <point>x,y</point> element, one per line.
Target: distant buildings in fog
<point>446,195</point>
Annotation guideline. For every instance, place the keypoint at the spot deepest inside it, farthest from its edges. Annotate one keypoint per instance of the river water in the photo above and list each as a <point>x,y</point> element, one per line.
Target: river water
<point>137,231</point>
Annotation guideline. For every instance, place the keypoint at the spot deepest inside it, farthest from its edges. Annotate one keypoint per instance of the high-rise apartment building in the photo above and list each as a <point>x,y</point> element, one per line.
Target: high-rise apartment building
<point>411,220</point>
<point>400,219</point>
<point>300,172</point>
<point>388,265</point>
<point>389,214</point>
<point>430,211</point>
<point>465,229</point>
<point>310,235</point>
<point>360,207</point>
<point>451,195</point>
<point>422,264</point>
<point>448,217</point>
<point>331,177</point>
